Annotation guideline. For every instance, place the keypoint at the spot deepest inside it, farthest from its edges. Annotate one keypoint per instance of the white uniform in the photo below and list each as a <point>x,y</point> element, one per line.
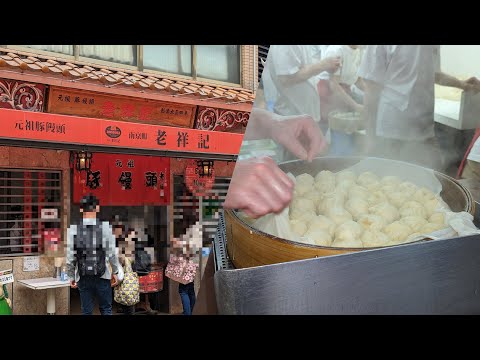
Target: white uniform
<point>350,60</point>
<point>301,98</point>
<point>407,73</point>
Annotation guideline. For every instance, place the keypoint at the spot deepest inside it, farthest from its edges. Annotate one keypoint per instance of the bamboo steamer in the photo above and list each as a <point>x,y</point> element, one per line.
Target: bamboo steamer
<point>249,247</point>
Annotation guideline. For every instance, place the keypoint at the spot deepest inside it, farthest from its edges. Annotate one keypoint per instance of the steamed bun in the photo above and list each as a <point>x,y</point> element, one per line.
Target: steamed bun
<point>397,231</point>
<point>373,238</point>
<point>413,208</point>
<point>422,195</point>
<point>367,178</point>
<point>318,237</point>
<point>302,203</point>
<point>323,223</point>
<point>349,230</point>
<point>329,201</point>
<point>358,192</point>
<point>372,222</point>
<point>299,227</point>
<point>385,210</point>
<point>356,207</point>
<point>415,222</point>
<point>397,198</point>
<point>303,184</point>
<point>325,176</point>
<point>338,215</point>
<point>408,188</point>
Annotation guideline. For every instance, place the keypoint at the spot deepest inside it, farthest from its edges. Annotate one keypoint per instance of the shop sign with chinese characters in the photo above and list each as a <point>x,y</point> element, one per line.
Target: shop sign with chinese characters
<point>104,106</point>
<point>196,184</point>
<point>54,128</point>
<point>121,180</point>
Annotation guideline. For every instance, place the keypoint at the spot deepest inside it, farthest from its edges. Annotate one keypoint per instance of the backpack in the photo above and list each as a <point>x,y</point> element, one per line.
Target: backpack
<point>143,263</point>
<point>90,254</point>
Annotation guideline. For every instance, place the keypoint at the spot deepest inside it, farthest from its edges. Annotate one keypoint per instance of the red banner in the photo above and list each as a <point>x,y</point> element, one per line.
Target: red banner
<point>46,127</point>
<point>124,180</point>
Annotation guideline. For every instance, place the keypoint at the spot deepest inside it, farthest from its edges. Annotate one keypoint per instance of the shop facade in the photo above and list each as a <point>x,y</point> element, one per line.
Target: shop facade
<point>141,143</point>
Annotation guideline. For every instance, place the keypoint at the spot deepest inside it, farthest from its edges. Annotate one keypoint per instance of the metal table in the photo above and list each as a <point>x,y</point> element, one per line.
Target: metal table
<point>432,277</point>
<point>49,284</point>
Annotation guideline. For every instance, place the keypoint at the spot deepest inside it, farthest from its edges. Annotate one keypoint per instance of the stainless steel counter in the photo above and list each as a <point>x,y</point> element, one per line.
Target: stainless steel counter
<point>434,277</point>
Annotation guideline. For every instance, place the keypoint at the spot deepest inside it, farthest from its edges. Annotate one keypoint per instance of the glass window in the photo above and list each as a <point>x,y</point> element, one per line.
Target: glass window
<point>124,54</point>
<point>61,49</point>
<point>219,62</point>
<point>176,59</point>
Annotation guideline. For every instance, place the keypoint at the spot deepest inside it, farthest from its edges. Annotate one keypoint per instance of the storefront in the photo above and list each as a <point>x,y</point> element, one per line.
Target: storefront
<point>142,152</point>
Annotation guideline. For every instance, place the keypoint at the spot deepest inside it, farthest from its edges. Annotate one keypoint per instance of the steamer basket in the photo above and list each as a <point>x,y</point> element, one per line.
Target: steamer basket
<point>248,247</point>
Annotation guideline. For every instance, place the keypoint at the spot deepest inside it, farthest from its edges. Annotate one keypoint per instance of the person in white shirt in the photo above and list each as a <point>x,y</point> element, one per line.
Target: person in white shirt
<point>294,72</point>
<point>336,88</point>
<point>399,99</point>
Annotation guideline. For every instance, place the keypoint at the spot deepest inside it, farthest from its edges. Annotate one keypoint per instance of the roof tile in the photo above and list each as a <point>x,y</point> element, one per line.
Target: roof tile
<point>111,75</point>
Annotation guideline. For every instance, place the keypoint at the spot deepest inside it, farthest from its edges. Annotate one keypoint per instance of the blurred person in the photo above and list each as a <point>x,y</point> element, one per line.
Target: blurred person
<point>294,72</point>
<point>335,90</point>
<point>184,263</point>
<point>259,186</point>
<point>90,249</point>
<point>127,244</point>
<point>399,99</point>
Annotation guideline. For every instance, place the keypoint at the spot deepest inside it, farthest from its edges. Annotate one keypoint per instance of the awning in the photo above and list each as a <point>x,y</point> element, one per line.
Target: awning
<point>45,130</point>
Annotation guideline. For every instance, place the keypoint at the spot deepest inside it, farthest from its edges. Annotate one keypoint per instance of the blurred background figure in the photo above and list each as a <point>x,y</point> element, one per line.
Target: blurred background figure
<point>341,92</point>
<point>399,99</point>
<point>184,263</point>
<point>294,72</point>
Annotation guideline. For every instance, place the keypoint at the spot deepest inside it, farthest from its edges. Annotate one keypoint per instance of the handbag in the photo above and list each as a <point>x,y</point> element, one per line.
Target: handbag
<point>181,270</point>
<point>128,292</point>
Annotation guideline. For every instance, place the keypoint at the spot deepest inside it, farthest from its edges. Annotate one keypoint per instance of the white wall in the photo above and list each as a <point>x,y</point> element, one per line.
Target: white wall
<point>460,60</point>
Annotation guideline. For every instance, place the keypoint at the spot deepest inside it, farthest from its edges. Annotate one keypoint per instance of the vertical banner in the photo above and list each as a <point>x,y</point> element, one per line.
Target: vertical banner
<point>124,180</point>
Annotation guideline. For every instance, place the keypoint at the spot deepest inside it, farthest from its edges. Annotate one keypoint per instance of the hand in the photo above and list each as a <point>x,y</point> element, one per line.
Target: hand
<point>358,108</point>
<point>73,284</point>
<point>331,64</point>
<point>259,187</point>
<point>471,84</point>
<point>301,135</point>
<point>473,81</point>
<point>9,302</point>
<point>115,280</point>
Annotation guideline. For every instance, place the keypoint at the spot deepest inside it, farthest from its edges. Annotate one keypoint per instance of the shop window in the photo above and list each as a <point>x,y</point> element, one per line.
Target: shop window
<point>219,62</point>
<point>214,62</point>
<point>60,49</point>
<point>23,196</point>
<point>176,59</point>
<point>123,54</point>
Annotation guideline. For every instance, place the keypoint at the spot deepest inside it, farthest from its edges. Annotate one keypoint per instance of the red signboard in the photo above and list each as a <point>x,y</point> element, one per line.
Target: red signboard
<point>124,180</point>
<point>196,184</point>
<point>46,127</point>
